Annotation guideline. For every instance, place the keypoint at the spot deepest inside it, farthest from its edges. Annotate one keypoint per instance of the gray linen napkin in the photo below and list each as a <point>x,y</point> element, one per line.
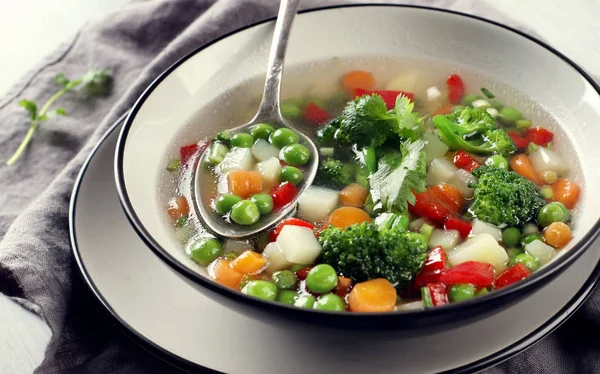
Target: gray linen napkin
<point>136,43</point>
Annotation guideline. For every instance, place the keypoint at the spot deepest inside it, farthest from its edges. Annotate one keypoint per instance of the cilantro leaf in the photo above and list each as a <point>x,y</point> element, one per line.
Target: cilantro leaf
<point>30,106</point>
<point>396,177</point>
<point>410,126</point>
<point>366,122</point>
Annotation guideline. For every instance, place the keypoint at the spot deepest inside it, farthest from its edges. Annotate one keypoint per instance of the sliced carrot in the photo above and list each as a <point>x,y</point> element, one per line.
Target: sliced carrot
<point>449,196</point>
<point>354,195</point>
<point>522,166</point>
<point>558,234</point>
<point>358,79</point>
<point>443,109</point>
<point>222,273</point>
<point>249,262</point>
<point>347,216</point>
<point>566,192</point>
<point>244,183</point>
<point>375,295</point>
<point>178,207</point>
<point>343,287</point>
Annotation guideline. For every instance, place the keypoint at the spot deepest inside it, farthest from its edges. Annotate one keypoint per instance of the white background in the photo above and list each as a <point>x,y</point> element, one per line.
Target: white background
<point>30,29</point>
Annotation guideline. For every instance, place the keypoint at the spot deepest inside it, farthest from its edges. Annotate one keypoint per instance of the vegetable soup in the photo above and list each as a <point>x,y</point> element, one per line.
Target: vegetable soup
<point>434,186</point>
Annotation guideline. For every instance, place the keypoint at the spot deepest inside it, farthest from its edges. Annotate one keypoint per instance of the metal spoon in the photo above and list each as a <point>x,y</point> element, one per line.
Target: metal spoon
<point>268,112</point>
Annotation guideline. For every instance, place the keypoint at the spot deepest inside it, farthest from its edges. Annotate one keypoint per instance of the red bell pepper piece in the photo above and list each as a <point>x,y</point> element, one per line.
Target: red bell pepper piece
<point>435,212</point>
<point>463,160</point>
<point>303,273</point>
<point>512,275</point>
<point>315,114</point>
<point>388,96</point>
<point>437,294</point>
<point>187,151</point>
<point>477,273</point>
<point>434,266</point>
<point>456,89</point>
<point>462,226</point>
<point>289,222</point>
<point>283,194</point>
<point>539,136</point>
<point>343,287</point>
<point>518,139</point>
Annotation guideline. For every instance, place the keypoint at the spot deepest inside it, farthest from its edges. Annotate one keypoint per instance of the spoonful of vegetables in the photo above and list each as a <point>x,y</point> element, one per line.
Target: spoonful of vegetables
<point>261,167</point>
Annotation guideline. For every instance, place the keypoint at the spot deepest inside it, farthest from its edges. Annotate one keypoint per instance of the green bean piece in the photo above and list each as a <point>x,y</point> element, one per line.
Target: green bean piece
<point>173,165</point>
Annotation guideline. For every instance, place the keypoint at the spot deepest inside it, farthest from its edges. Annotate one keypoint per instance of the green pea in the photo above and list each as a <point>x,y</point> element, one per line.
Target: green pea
<point>496,104</point>
<point>523,124</point>
<point>526,239</point>
<point>547,192</point>
<point>287,297</point>
<point>511,236</point>
<point>261,289</point>
<point>264,202</point>
<point>497,161</point>
<point>245,212</point>
<point>290,174</point>
<point>294,154</point>
<point>261,131</point>
<point>468,99</point>
<point>205,251</point>
<point>526,259</point>
<point>461,292</point>
<point>426,231</point>
<point>224,203</point>
<point>282,137</point>
<point>553,212</point>
<point>290,110</point>
<point>305,301</point>
<point>321,278</point>
<point>297,267</point>
<point>513,252</point>
<point>284,279</point>
<point>331,302</point>
<point>242,140</point>
<point>509,116</point>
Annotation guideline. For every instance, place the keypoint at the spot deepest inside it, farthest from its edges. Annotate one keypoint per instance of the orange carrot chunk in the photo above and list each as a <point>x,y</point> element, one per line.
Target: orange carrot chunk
<point>244,183</point>
<point>375,295</point>
<point>443,109</point>
<point>222,273</point>
<point>178,207</point>
<point>566,192</point>
<point>249,262</point>
<point>358,79</point>
<point>521,165</point>
<point>558,234</point>
<point>354,195</point>
<point>347,216</point>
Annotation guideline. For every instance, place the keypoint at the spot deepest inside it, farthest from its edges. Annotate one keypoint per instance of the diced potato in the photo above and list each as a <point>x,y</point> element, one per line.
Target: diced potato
<point>276,259</point>
<point>405,81</point>
<point>323,89</point>
<point>269,170</point>
<point>541,251</point>
<point>461,180</point>
<point>447,239</point>
<point>483,248</point>
<point>434,147</point>
<point>263,150</point>
<point>298,244</point>
<point>237,159</point>
<point>481,227</point>
<point>414,305</point>
<point>544,159</point>
<point>236,246</point>
<point>433,93</point>
<point>440,171</point>
<point>316,203</point>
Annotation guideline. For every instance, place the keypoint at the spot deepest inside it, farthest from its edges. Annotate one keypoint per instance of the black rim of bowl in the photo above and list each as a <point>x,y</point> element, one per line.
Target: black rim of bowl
<point>408,318</point>
<point>544,330</point>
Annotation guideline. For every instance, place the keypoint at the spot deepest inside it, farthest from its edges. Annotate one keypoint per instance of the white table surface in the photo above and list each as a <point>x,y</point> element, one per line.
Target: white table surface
<point>26,35</point>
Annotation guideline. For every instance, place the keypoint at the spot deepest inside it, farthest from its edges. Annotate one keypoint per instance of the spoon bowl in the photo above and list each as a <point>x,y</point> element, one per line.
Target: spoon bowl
<point>268,112</point>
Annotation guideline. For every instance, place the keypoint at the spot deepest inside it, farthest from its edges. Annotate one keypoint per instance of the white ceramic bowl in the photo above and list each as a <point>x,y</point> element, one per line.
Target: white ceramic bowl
<point>532,68</point>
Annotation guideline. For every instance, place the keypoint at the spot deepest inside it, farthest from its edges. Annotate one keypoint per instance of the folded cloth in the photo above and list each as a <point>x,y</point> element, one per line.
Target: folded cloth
<point>136,43</point>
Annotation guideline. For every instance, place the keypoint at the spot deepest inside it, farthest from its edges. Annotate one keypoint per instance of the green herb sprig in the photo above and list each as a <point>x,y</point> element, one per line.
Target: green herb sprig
<point>95,82</point>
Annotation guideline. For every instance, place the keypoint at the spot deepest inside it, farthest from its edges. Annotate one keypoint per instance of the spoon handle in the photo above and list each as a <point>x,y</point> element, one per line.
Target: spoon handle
<point>269,107</point>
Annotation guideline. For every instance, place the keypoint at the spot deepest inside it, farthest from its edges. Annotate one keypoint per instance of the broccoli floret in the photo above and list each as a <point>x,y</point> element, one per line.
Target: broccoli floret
<point>326,134</point>
<point>503,197</point>
<point>223,137</point>
<point>363,252</point>
<point>473,130</point>
<point>334,173</point>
